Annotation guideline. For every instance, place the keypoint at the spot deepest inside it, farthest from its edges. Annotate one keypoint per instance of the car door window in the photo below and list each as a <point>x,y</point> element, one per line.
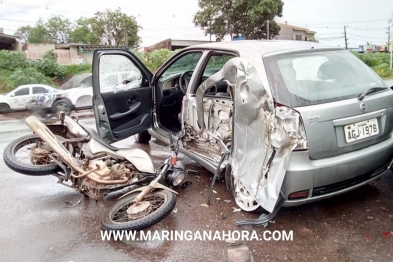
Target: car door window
<point>110,77</point>
<point>22,92</point>
<point>215,63</point>
<point>39,90</point>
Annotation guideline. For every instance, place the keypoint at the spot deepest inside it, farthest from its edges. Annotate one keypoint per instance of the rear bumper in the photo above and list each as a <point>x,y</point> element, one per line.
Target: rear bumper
<point>336,175</point>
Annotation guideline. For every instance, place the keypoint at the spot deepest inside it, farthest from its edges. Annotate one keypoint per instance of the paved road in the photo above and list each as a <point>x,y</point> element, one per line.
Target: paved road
<point>39,223</point>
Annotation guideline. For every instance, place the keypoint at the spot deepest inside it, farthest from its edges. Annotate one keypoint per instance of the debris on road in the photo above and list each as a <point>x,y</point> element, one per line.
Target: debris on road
<point>236,209</point>
<point>265,225</point>
<point>205,205</point>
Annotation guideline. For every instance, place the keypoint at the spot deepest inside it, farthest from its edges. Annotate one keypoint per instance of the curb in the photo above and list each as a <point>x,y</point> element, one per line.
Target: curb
<point>20,125</point>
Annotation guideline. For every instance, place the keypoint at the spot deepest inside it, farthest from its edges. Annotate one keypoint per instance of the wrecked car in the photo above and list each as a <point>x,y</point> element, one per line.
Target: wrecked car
<point>286,122</point>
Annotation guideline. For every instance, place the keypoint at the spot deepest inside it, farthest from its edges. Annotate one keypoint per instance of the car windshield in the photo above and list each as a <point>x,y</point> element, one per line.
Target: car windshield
<point>185,63</point>
<point>309,78</point>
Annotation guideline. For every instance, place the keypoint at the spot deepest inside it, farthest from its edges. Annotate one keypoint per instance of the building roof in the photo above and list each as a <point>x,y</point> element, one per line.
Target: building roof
<point>298,28</point>
<point>89,46</point>
<point>7,41</point>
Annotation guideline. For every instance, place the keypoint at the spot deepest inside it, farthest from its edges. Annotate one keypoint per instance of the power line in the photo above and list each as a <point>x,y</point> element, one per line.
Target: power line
<point>337,23</point>
<point>365,37</point>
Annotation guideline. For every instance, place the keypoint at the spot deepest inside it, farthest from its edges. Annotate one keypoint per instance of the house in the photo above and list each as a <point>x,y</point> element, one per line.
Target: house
<point>9,42</point>
<point>67,54</point>
<point>291,32</point>
<point>172,44</point>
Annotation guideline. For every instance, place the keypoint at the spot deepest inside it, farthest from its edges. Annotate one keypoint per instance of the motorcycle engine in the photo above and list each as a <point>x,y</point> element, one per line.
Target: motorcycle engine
<point>105,170</point>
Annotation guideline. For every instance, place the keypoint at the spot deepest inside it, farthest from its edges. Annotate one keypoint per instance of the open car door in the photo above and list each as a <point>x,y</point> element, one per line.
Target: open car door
<point>122,96</point>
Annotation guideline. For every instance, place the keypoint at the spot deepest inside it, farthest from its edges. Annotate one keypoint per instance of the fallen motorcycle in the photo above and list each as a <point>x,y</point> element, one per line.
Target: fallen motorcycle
<point>78,157</point>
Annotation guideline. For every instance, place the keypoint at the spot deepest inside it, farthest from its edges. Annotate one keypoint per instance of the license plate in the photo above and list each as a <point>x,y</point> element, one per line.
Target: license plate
<point>358,131</point>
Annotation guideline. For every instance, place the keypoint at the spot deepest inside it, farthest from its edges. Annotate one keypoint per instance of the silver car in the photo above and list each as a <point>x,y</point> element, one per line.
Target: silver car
<point>281,120</point>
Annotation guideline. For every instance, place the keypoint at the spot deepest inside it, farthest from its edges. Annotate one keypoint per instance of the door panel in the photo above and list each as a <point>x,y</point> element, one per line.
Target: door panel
<point>122,96</point>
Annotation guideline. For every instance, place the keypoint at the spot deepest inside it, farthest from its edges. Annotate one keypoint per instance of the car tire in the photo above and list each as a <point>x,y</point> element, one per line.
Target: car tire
<point>4,108</point>
<point>62,105</point>
<point>231,188</point>
<point>143,137</point>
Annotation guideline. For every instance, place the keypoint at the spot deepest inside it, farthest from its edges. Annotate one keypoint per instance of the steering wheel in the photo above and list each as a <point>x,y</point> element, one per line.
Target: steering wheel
<point>184,80</point>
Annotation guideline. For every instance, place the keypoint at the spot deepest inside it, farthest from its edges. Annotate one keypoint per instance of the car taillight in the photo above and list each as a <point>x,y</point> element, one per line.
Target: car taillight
<point>293,125</point>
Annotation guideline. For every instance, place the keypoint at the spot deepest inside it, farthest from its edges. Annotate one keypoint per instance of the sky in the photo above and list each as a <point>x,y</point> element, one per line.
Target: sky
<point>366,20</point>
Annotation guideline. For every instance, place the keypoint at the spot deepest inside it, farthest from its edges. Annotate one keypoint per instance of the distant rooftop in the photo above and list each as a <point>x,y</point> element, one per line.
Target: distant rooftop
<point>308,31</point>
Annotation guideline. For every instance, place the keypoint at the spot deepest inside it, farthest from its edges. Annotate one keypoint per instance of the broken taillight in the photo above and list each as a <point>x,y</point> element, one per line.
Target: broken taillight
<point>293,125</point>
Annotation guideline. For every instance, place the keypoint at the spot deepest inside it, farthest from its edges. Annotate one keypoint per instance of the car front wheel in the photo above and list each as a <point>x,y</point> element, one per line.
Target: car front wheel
<point>4,108</point>
<point>62,105</point>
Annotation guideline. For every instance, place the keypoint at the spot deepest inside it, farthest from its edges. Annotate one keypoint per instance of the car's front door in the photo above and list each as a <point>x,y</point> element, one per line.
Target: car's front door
<point>20,97</point>
<point>121,108</point>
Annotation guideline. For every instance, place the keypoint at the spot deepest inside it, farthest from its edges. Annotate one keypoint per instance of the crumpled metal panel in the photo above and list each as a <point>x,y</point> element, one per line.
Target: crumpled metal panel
<point>263,136</point>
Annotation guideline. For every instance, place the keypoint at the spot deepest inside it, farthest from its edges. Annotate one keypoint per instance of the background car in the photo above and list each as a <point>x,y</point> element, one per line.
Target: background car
<point>26,97</point>
<point>77,93</point>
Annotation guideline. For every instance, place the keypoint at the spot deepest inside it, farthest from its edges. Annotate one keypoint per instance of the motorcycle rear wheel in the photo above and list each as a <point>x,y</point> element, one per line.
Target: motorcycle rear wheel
<point>15,163</point>
<point>161,204</point>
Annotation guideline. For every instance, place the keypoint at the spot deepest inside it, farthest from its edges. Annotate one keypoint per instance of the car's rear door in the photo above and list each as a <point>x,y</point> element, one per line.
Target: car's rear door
<point>121,108</point>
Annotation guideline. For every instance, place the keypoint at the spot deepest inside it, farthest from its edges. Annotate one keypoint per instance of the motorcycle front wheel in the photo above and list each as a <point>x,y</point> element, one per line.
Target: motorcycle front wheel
<point>153,208</point>
<point>17,156</point>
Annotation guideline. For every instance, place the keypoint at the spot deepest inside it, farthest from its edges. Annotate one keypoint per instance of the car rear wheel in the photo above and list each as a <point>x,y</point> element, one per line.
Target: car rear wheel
<point>62,105</point>
<point>4,108</point>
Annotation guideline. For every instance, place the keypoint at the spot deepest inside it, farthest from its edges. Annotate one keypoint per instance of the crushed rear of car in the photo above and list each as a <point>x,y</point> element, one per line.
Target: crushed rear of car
<point>346,117</point>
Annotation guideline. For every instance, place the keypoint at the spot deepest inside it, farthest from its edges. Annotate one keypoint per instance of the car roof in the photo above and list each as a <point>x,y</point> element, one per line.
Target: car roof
<point>252,47</point>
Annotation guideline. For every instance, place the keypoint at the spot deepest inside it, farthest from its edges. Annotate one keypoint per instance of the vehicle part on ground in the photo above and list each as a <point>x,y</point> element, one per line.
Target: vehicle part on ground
<point>143,137</point>
<point>35,161</point>
<point>267,135</point>
<point>62,105</point>
<point>153,208</point>
<point>4,108</point>
<point>223,157</point>
<point>269,217</point>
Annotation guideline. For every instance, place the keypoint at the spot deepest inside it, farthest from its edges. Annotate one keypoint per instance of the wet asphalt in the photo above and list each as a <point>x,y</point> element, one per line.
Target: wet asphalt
<point>42,221</point>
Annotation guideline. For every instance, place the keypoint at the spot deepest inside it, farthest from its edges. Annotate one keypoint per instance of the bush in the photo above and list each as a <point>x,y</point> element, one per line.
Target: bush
<point>153,60</point>
<point>48,66</point>
<point>383,70</point>
<point>28,76</point>
<point>11,60</point>
<point>70,70</point>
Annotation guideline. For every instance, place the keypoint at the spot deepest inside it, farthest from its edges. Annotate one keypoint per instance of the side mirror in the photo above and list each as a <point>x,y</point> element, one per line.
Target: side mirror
<point>12,95</point>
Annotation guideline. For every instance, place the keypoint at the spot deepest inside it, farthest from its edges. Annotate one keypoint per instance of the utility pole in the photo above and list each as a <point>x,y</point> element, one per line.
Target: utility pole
<point>345,36</point>
<point>391,41</point>
<point>388,43</point>
<point>267,30</point>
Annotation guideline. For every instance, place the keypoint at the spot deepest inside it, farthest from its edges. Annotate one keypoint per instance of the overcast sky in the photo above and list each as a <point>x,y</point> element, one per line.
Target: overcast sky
<point>367,20</point>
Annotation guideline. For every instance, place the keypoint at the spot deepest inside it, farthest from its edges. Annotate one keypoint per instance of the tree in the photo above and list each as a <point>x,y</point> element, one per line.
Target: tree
<point>116,28</point>
<point>59,28</point>
<point>34,34</point>
<point>83,32</point>
<point>239,17</point>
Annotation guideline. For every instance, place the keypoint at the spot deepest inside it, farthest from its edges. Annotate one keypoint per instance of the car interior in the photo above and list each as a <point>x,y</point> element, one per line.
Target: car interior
<point>173,87</point>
